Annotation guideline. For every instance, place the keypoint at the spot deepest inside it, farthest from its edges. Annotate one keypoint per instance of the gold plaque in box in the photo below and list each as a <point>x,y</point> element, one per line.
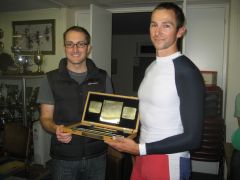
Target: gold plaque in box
<point>95,107</point>
<point>107,116</point>
<point>111,111</point>
<point>129,113</point>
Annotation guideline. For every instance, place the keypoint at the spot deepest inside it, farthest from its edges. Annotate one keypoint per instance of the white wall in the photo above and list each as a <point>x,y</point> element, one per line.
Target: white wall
<point>233,83</point>
<point>63,18</point>
<point>205,38</point>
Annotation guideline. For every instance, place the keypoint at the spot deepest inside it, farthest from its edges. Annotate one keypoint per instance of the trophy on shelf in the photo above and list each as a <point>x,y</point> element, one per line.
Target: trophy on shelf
<point>38,60</point>
<point>21,61</point>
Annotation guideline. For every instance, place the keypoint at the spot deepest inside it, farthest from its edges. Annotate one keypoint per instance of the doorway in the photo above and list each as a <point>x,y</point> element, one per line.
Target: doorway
<point>129,31</point>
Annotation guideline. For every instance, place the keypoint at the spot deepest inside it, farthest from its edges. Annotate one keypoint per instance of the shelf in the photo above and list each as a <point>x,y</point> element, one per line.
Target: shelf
<point>22,79</point>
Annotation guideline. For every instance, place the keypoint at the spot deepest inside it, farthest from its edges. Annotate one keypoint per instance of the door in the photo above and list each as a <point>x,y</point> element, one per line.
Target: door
<point>101,32</point>
<point>205,38</point>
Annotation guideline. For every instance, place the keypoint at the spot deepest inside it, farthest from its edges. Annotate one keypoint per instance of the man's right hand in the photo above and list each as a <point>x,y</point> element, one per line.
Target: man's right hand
<point>64,137</point>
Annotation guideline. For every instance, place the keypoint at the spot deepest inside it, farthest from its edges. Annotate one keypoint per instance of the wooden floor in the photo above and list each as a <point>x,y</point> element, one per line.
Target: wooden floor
<point>46,176</point>
<point>203,176</point>
<point>38,172</point>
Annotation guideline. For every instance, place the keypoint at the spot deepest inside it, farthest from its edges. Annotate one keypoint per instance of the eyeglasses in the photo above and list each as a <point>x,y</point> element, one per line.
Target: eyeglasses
<point>79,44</point>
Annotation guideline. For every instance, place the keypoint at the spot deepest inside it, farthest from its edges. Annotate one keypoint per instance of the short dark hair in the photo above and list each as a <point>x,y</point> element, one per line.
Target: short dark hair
<point>180,18</point>
<point>78,29</point>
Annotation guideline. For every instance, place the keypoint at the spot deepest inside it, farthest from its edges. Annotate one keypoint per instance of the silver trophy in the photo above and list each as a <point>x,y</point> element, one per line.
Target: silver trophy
<point>38,60</point>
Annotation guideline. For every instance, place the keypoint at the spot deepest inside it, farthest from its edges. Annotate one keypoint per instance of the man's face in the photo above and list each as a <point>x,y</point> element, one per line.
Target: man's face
<point>76,47</point>
<point>163,31</point>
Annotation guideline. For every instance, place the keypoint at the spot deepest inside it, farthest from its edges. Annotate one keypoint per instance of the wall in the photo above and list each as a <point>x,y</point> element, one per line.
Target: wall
<point>63,18</point>
<point>233,73</point>
<point>205,39</point>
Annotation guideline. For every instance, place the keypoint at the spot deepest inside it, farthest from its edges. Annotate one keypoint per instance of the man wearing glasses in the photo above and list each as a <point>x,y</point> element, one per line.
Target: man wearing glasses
<point>62,97</point>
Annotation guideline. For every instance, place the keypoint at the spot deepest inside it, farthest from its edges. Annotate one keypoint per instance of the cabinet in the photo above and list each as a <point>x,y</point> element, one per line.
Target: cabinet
<point>213,137</point>
<point>18,96</point>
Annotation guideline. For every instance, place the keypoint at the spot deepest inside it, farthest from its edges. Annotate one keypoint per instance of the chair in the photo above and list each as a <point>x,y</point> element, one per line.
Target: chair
<point>212,147</point>
<point>15,152</point>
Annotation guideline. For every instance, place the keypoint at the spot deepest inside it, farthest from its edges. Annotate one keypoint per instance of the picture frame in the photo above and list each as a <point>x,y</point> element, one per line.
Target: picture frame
<point>34,35</point>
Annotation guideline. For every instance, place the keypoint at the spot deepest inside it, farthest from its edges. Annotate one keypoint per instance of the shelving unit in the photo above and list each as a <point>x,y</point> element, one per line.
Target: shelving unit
<point>213,138</point>
<point>22,82</point>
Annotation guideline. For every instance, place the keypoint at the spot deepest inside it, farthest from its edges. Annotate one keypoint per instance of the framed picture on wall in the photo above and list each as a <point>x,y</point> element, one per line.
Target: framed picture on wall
<point>30,36</point>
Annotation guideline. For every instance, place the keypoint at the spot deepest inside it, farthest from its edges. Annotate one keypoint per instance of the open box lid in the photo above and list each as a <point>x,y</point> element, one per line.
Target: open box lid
<point>111,111</point>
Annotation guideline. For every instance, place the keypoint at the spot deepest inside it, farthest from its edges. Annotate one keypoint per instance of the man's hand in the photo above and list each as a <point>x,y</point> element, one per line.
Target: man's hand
<point>64,137</point>
<point>124,145</point>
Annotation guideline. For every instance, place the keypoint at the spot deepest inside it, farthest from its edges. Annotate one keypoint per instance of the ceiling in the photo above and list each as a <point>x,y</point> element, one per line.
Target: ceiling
<point>122,23</point>
<point>23,5</point>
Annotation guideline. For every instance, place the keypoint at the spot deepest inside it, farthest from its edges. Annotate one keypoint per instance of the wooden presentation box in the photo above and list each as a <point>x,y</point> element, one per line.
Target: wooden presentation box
<point>108,116</point>
<point>210,77</point>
